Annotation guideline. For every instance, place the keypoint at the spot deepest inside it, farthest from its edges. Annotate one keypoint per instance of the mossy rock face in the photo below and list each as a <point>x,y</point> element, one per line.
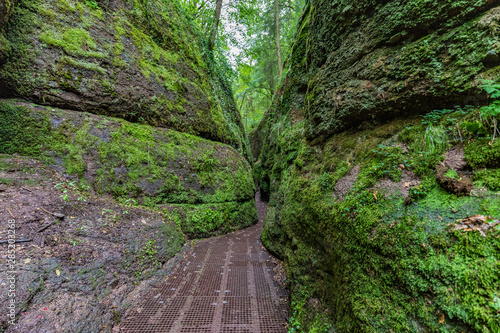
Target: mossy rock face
<point>134,163</point>
<point>5,11</point>
<point>365,60</point>
<point>380,258</point>
<point>374,239</point>
<point>135,60</point>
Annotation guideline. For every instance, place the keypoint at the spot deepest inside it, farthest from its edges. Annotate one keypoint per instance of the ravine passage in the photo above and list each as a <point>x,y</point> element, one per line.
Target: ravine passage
<point>224,284</point>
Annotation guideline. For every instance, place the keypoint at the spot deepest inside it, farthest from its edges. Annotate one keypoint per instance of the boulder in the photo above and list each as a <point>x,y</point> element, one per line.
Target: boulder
<point>136,60</point>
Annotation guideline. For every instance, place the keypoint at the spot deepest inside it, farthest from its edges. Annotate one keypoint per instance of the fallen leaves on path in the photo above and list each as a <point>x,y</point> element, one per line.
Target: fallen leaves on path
<point>478,223</point>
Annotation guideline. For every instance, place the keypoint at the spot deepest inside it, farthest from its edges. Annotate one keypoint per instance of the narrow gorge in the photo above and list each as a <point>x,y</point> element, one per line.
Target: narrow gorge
<point>134,136</point>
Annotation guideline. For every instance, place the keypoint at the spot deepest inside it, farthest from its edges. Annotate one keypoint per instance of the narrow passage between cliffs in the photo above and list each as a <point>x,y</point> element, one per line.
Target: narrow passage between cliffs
<point>224,284</point>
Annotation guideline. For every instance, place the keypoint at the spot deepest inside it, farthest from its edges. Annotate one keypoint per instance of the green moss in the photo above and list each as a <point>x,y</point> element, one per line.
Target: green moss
<point>65,6</point>
<point>488,178</point>
<point>17,70</point>
<point>214,219</point>
<point>452,174</point>
<point>373,261</point>
<point>19,132</point>
<point>385,163</point>
<point>480,154</point>
<point>65,60</point>
<point>382,260</point>
<point>130,159</point>
<point>318,322</point>
<point>4,45</point>
<point>74,41</point>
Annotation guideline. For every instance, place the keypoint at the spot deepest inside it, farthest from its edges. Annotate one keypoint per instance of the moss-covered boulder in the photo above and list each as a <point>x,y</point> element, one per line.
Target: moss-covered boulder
<point>136,60</point>
<point>5,11</point>
<point>136,164</point>
<point>373,241</point>
<point>388,220</point>
<point>375,60</point>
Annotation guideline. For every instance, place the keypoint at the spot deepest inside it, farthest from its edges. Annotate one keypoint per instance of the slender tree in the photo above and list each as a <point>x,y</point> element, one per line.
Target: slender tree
<point>218,10</point>
<point>278,35</point>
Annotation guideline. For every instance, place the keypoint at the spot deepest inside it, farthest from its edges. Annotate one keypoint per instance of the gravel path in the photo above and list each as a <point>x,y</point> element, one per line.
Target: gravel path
<point>224,285</point>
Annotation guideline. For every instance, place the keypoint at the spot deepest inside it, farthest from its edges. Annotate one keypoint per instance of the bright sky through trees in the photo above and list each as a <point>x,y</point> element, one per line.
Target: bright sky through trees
<point>247,40</point>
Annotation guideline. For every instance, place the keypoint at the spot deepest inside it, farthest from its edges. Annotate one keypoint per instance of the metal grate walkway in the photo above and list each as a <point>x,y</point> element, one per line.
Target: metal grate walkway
<point>223,285</point>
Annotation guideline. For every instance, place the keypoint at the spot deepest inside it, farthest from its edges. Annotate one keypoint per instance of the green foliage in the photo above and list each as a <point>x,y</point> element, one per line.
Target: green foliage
<point>213,219</point>
<point>301,313</point>
<point>492,111</point>
<point>205,221</point>
<point>436,140</point>
<point>325,181</point>
<point>147,258</point>
<point>491,88</point>
<point>472,127</point>
<point>489,178</point>
<point>452,174</point>
<point>258,77</point>
<point>482,154</point>
<point>386,163</point>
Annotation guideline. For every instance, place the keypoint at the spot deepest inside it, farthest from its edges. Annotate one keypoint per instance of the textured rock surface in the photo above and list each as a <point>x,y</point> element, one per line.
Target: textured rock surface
<point>110,115</point>
<point>384,256</point>
<point>5,11</point>
<point>136,60</point>
<point>136,163</point>
<point>81,272</point>
<point>139,61</point>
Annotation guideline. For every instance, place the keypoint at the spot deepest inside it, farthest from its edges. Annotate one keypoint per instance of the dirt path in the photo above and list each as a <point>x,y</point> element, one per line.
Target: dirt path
<point>224,285</point>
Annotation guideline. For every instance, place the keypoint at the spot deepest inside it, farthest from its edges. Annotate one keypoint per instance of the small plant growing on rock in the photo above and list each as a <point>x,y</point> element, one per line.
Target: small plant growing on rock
<point>452,174</point>
<point>492,111</point>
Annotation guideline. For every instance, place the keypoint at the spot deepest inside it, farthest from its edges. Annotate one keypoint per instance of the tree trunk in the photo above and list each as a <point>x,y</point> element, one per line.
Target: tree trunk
<point>218,10</point>
<point>278,34</point>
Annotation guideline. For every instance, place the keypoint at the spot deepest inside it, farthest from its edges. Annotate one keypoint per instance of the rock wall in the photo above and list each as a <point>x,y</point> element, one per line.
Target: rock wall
<point>374,60</point>
<point>5,11</point>
<point>386,218</point>
<point>123,96</point>
<point>136,60</point>
<point>115,118</point>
